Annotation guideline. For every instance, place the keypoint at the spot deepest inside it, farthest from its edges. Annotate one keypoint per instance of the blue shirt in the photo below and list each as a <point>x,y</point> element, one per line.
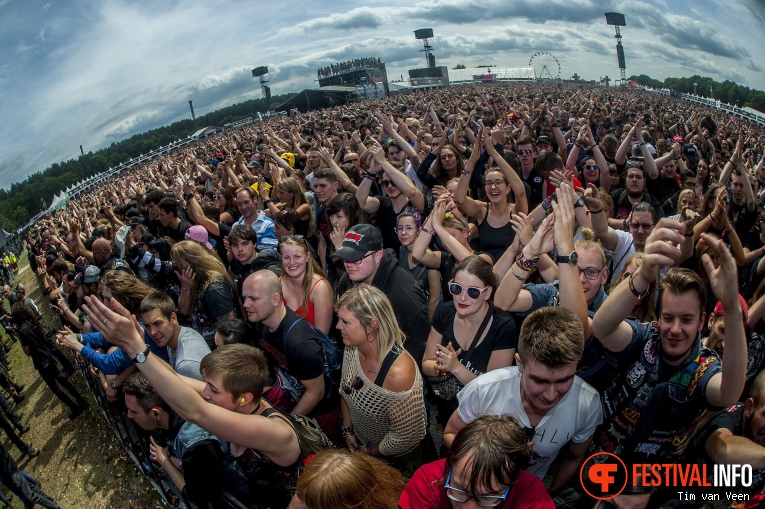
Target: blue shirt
<point>117,361</point>
<point>264,230</point>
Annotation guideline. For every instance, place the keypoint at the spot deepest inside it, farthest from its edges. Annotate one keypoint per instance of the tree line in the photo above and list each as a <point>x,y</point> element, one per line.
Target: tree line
<point>727,91</point>
<point>25,199</point>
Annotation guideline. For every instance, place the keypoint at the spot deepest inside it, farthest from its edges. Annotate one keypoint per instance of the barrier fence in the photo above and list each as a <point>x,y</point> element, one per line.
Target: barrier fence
<point>136,444</point>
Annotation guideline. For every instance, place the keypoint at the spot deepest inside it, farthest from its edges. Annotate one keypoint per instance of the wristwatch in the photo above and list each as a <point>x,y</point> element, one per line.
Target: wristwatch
<point>114,385</point>
<point>141,357</point>
<point>572,258</point>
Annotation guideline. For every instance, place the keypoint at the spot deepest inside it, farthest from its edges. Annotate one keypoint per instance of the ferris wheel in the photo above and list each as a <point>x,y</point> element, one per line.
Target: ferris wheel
<point>546,66</point>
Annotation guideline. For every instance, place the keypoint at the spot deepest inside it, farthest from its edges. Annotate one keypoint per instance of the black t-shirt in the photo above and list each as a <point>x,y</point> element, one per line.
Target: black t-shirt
<point>217,241</point>
<point>623,205</point>
<point>299,353</point>
<point>742,218</point>
<point>536,183</point>
<point>663,188</point>
<point>501,336</point>
<point>386,221</point>
<point>177,234</point>
<point>42,358</point>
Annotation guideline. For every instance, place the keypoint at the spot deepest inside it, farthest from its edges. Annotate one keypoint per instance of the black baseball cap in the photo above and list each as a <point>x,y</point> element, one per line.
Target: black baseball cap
<point>358,240</point>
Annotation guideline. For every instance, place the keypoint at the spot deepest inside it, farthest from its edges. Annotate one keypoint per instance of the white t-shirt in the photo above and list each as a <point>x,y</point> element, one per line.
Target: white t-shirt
<point>574,418</point>
<point>625,248</point>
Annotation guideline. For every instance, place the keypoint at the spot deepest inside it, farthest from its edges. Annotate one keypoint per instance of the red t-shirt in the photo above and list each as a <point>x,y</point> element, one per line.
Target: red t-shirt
<point>551,187</point>
<point>425,490</point>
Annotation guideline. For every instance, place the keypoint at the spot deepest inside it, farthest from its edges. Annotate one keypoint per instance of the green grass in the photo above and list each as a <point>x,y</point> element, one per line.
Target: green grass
<point>81,464</point>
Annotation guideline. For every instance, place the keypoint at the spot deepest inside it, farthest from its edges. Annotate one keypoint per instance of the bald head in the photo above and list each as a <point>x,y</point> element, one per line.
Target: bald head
<point>262,298</point>
<point>268,281</point>
<point>757,391</point>
<point>102,249</point>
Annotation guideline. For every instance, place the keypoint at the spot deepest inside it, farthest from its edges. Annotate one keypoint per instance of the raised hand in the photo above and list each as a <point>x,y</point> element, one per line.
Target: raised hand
<point>723,277</point>
<point>522,225</point>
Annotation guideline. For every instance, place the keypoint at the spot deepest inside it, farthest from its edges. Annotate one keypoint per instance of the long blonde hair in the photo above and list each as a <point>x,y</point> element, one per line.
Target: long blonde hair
<point>291,185</point>
<point>188,253</point>
<point>312,267</point>
<point>369,304</point>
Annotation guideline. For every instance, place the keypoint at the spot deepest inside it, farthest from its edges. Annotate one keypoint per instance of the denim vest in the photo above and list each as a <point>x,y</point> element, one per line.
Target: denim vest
<point>647,415</point>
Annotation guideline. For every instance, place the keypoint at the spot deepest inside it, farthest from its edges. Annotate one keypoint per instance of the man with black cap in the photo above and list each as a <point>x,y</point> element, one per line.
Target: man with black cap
<point>366,262</point>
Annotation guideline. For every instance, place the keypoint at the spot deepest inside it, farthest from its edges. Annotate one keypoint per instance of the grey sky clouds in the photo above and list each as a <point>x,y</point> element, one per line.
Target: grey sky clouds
<point>94,72</point>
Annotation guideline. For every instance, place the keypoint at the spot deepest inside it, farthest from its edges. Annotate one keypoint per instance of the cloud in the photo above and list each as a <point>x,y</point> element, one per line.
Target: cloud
<point>93,73</point>
<point>353,20</point>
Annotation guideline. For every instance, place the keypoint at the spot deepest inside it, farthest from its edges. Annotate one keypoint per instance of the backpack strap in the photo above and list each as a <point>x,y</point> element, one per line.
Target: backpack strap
<point>390,358</point>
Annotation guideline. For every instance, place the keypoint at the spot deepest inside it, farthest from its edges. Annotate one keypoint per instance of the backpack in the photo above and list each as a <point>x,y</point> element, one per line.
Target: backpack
<point>333,359</point>
<point>311,437</point>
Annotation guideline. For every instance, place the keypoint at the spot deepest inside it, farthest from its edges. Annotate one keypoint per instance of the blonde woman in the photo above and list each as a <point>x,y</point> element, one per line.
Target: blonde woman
<point>207,290</point>
<point>305,288</point>
<point>291,195</point>
<point>383,410</point>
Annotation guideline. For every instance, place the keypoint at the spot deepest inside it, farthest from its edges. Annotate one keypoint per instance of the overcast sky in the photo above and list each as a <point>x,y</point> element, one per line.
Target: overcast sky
<point>94,72</point>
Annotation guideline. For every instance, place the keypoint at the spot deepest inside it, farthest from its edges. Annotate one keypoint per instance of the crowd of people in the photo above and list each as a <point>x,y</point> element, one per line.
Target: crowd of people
<point>541,271</point>
<point>352,65</point>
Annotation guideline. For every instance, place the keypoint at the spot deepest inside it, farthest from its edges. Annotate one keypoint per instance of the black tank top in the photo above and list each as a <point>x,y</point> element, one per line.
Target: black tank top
<point>494,241</point>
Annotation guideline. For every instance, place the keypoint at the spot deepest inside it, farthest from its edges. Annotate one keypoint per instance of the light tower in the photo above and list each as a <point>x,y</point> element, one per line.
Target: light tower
<point>425,34</point>
<point>260,72</point>
<point>617,20</point>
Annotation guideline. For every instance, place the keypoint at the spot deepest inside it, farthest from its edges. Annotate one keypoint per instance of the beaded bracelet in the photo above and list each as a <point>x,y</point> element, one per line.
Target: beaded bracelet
<point>640,296</point>
<point>429,232</point>
<point>466,173</point>
<point>526,264</point>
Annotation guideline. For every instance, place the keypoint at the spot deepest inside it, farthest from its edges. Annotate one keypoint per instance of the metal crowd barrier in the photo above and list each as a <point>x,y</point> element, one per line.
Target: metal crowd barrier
<point>136,444</point>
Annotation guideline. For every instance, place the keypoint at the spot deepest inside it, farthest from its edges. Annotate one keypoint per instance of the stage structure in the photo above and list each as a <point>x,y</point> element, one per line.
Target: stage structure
<point>260,73</point>
<point>367,75</point>
<point>431,76</point>
<point>617,20</point>
<point>490,75</point>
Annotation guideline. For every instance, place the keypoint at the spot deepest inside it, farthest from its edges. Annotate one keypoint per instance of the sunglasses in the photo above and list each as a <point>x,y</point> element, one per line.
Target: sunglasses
<point>472,291</point>
<point>386,183</point>
<point>217,196</point>
<point>357,384</point>
<point>525,152</point>
<point>591,167</point>
<point>294,238</point>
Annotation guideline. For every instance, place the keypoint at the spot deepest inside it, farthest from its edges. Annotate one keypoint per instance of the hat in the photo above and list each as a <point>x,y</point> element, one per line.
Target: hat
<point>145,239</point>
<point>357,241</point>
<point>253,164</point>
<point>134,216</point>
<point>719,311</point>
<point>677,139</point>
<point>690,153</point>
<point>87,275</point>
<point>289,157</point>
<point>198,233</point>
<point>20,288</point>
<point>544,139</point>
